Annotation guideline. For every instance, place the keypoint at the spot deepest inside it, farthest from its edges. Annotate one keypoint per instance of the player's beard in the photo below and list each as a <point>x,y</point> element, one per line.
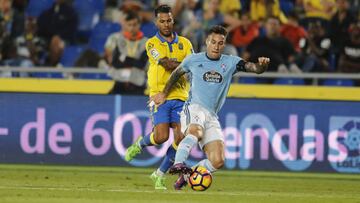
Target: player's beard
<point>165,34</point>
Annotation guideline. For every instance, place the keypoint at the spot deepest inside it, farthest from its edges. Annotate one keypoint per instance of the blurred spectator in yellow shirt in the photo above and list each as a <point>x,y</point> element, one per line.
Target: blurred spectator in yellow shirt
<point>231,7</point>
<point>262,9</point>
<point>319,10</point>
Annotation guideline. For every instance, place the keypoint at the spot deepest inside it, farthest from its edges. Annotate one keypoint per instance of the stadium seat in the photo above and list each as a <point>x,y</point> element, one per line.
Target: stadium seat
<point>47,75</point>
<point>149,29</point>
<point>247,80</point>
<point>89,12</point>
<point>289,81</point>
<point>70,55</point>
<point>245,5</point>
<point>94,76</point>
<point>36,7</point>
<point>100,33</point>
<point>286,6</point>
<point>338,82</point>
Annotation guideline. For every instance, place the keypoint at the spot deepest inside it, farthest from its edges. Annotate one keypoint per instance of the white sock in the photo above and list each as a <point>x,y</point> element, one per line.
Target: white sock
<point>184,148</point>
<point>207,164</point>
<point>159,173</point>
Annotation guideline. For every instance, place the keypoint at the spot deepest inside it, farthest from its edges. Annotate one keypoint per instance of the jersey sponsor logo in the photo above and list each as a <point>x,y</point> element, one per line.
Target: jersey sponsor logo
<point>212,76</point>
<point>197,118</point>
<point>154,53</point>
<point>345,148</point>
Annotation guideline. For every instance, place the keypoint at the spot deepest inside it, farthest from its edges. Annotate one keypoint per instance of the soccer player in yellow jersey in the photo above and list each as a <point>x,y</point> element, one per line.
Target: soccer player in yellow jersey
<point>165,50</point>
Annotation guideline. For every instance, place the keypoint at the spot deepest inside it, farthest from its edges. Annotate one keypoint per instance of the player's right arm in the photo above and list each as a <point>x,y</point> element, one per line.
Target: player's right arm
<point>174,77</point>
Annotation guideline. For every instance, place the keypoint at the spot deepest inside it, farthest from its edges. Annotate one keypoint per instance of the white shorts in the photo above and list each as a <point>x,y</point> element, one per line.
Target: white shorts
<point>196,114</point>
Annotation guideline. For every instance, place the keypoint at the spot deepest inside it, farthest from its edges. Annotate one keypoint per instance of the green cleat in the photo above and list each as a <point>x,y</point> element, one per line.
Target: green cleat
<point>133,150</point>
<point>159,181</point>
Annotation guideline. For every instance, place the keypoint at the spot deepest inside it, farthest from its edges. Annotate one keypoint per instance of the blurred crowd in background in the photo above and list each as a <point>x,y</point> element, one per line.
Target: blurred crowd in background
<point>298,35</point>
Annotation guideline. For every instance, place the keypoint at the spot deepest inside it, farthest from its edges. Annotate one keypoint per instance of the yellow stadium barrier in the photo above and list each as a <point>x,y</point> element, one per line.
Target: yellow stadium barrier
<point>236,90</point>
<point>55,86</point>
<point>295,92</point>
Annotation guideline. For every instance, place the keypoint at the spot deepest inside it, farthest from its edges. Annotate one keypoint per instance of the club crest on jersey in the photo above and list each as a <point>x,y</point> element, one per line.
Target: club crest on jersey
<point>223,67</point>
<point>212,76</point>
<point>150,45</point>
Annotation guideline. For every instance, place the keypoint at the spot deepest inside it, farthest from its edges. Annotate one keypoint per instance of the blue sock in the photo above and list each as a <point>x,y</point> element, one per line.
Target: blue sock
<point>207,164</point>
<point>168,161</point>
<point>147,140</point>
<point>185,147</point>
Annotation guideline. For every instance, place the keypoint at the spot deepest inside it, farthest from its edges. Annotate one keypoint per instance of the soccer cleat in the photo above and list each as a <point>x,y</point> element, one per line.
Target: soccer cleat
<point>159,181</point>
<point>180,168</point>
<point>181,182</point>
<point>133,150</point>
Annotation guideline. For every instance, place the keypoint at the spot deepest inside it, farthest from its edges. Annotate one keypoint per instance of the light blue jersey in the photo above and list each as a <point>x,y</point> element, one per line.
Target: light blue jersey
<point>210,79</point>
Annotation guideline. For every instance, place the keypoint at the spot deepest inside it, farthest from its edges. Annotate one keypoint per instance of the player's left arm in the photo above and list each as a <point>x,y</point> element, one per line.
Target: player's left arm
<point>258,68</point>
<point>168,64</point>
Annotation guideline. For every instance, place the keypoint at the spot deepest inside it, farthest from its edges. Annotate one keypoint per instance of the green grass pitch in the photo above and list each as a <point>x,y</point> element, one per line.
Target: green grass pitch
<point>52,184</point>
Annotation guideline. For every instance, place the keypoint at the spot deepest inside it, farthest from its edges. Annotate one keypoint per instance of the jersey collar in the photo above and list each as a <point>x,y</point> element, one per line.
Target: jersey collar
<point>211,58</point>
<point>175,40</point>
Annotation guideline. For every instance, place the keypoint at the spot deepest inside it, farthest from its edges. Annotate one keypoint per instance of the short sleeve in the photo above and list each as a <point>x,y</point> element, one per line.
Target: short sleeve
<point>239,64</point>
<point>111,41</point>
<point>153,51</point>
<point>185,64</point>
<point>190,49</point>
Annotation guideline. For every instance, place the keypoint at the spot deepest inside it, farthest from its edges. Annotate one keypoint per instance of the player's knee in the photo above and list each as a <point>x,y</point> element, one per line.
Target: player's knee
<point>218,162</point>
<point>195,130</point>
<point>178,135</point>
<point>160,138</point>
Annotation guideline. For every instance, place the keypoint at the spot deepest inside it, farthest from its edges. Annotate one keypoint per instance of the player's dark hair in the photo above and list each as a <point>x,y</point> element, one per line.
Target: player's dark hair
<point>218,29</point>
<point>162,9</point>
<point>130,15</point>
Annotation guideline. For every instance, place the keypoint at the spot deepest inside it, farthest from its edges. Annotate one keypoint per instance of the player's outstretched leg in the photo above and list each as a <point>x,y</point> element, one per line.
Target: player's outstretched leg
<point>181,181</point>
<point>158,176</point>
<point>159,180</point>
<point>184,177</point>
<point>207,164</point>
<point>133,150</point>
<point>180,168</point>
<point>182,154</point>
<point>169,159</point>
<point>138,145</point>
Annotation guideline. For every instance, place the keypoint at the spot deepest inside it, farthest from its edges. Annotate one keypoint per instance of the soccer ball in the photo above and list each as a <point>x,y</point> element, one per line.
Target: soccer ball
<point>200,179</point>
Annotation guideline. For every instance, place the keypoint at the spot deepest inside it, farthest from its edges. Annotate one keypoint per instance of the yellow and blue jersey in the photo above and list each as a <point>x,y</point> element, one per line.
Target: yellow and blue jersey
<point>156,48</point>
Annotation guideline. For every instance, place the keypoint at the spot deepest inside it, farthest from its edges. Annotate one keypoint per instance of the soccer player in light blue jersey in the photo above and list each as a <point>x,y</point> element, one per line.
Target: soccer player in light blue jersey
<point>210,75</point>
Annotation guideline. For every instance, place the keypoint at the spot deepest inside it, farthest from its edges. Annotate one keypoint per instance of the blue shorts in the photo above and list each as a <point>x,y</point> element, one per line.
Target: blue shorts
<point>168,112</point>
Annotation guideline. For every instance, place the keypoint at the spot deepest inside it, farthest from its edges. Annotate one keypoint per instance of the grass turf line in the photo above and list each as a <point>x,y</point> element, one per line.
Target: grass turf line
<point>38,183</point>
